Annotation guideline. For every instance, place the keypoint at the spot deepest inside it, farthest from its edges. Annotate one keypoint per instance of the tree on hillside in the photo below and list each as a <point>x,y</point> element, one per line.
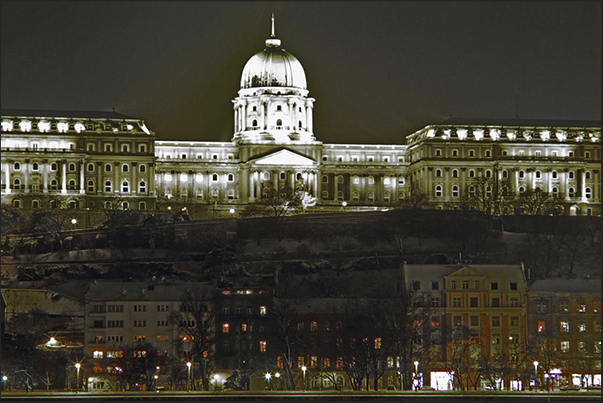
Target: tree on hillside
<point>195,322</point>
<point>535,201</point>
<point>488,194</point>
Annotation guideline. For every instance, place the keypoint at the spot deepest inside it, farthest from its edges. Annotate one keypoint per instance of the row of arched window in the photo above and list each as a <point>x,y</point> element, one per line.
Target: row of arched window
<point>198,177</point>
<point>439,191</point>
<point>36,204</point>
<point>356,180</point>
<point>370,196</point>
<point>505,174</point>
<point>214,192</point>
<point>72,167</point>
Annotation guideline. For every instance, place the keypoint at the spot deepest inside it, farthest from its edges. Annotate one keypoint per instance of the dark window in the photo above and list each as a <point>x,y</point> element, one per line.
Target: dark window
<point>495,302</point>
<point>494,286</point>
<point>473,302</point>
<point>513,286</point>
<point>474,321</point>
<point>416,285</point>
<point>435,285</point>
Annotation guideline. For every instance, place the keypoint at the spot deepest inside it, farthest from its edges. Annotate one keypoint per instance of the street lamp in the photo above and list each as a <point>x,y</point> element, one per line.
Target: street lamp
<point>77,376</point>
<point>303,368</point>
<point>267,377</point>
<point>188,366</point>
<point>4,379</point>
<point>416,375</point>
<point>343,204</point>
<point>536,375</point>
<point>277,376</point>
<point>232,211</point>
<point>216,380</point>
<point>73,222</point>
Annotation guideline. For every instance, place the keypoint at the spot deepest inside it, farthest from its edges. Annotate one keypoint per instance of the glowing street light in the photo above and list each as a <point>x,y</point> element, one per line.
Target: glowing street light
<point>188,366</point>
<point>216,380</point>
<point>232,211</point>
<point>343,204</point>
<point>277,376</point>
<point>77,376</point>
<point>535,373</point>
<point>267,377</point>
<point>416,375</point>
<point>4,379</point>
<point>73,222</point>
<point>303,368</point>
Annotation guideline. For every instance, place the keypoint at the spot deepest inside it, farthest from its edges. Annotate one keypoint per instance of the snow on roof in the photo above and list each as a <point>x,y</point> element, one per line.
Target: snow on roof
<point>144,291</point>
<point>591,285</point>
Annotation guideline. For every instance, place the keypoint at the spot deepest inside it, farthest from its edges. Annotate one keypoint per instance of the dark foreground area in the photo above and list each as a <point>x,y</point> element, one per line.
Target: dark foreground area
<point>407,397</point>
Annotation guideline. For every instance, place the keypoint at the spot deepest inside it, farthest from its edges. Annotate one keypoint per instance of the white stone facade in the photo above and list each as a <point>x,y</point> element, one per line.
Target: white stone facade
<point>88,160</point>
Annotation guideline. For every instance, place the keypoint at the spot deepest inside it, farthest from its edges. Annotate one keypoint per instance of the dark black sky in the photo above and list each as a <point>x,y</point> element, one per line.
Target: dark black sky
<point>378,70</point>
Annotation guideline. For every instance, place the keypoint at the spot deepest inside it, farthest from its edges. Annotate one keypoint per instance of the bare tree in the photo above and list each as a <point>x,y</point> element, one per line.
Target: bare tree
<point>488,194</point>
<point>464,352</point>
<point>195,322</point>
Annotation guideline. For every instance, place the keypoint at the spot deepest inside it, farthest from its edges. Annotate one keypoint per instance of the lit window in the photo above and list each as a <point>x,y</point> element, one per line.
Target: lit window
<point>225,328</point>
<point>313,326</point>
<point>183,177</point>
<point>262,310</point>
<point>540,327</point>
<point>563,326</point>
<point>97,354</point>
<point>263,345</point>
<point>565,346</point>
<point>438,191</point>
<point>582,327</point>
<point>377,343</point>
<point>25,125</point>
<point>371,180</point>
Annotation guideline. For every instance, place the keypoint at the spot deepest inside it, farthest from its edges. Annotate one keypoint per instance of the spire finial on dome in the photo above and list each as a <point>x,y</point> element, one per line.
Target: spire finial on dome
<point>272,42</point>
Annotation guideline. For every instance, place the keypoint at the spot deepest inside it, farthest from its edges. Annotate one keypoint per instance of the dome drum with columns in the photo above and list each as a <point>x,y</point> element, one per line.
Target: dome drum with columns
<point>273,104</point>
<point>273,146</point>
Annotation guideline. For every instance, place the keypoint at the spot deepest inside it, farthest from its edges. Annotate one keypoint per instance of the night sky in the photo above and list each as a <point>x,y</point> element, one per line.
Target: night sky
<point>378,70</point>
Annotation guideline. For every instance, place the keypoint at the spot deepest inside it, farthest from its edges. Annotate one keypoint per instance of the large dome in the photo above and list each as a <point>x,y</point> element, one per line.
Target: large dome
<point>273,67</point>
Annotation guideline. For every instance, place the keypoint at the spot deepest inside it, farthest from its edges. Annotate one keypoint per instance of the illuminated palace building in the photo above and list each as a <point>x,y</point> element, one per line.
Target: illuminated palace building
<point>108,160</point>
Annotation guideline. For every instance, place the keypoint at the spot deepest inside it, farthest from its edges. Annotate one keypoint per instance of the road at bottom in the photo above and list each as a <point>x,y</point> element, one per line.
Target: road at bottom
<point>407,397</point>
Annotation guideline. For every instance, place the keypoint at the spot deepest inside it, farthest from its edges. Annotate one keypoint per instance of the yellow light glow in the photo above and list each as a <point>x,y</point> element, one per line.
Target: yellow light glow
<point>62,127</point>
<point>511,135</point>
<point>545,135</point>
<point>79,127</point>
<point>461,133</point>
<point>494,134</point>
<point>44,126</point>
<point>478,134</point>
<point>7,125</point>
<point>25,125</point>
<point>431,133</point>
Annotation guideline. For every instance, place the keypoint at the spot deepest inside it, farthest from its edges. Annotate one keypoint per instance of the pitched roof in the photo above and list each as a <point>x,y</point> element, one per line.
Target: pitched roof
<point>64,114</point>
<point>143,291</point>
<point>591,285</point>
<point>521,122</point>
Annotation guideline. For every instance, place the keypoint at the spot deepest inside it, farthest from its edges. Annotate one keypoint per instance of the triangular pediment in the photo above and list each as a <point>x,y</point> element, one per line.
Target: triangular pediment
<point>284,158</point>
<point>465,272</point>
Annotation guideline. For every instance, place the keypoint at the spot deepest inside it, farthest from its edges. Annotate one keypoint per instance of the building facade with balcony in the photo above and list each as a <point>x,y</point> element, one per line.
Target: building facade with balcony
<point>565,318</point>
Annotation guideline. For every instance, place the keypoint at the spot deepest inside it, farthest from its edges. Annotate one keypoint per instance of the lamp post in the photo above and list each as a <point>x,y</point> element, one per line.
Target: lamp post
<point>267,377</point>
<point>77,376</point>
<point>303,368</point>
<point>277,376</point>
<point>4,379</point>
<point>73,222</point>
<point>416,375</point>
<point>188,366</point>
<point>216,380</point>
<point>536,375</point>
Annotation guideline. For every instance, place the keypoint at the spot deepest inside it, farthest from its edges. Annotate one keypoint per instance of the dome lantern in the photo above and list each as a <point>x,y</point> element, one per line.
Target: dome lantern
<point>273,67</point>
